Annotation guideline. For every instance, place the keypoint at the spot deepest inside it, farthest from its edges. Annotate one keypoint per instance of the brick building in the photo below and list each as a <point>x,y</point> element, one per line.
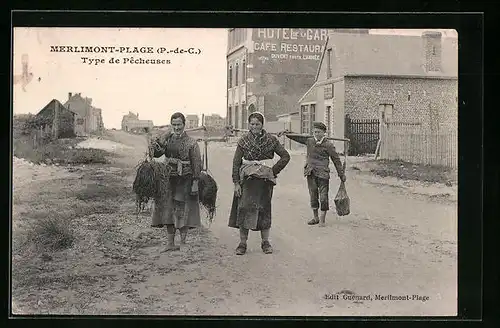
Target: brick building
<point>59,121</point>
<point>88,119</point>
<point>269,69</point>
<point>192,121</point>
<point>392,78</point>
<point>132,123</point>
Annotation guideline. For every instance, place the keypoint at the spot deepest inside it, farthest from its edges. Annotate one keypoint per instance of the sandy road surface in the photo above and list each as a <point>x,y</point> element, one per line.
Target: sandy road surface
<point>394,242</point>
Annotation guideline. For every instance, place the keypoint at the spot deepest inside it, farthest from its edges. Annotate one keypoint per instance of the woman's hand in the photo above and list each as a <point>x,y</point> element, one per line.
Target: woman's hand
<point>194,188</point>
<point>153,147</point>
<point>237,190</point>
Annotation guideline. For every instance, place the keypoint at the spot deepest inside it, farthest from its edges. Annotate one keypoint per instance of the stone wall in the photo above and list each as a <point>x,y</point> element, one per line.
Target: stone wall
<point>423,100</point>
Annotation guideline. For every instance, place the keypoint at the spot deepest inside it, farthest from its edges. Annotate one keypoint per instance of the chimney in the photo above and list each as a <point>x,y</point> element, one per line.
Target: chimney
<point>432,50</point>
<point>69,95</point>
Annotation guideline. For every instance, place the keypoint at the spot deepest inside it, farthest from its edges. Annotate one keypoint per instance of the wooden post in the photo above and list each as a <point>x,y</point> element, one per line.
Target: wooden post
<point>377,149</point>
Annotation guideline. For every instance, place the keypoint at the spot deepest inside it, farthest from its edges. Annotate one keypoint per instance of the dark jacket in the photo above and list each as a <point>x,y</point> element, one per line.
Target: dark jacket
<point>318,158</point>
<point>183,149</point>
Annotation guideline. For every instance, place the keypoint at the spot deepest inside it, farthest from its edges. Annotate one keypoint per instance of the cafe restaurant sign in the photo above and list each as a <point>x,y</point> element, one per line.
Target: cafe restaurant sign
<point>289,43</point>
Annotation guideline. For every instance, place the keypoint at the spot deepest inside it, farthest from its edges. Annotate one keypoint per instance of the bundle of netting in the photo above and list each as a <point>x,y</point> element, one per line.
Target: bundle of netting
<point>151,181</point>
<point>207,188</point>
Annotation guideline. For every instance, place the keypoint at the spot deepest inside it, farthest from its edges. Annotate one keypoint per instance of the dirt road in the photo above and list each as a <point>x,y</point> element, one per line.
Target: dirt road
<point>393,243</point>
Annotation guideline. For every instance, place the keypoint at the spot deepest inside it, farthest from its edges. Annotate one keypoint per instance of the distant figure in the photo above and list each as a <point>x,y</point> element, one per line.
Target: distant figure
<point>25,76</point>
<point>317,171</point>
<point>254,177</point>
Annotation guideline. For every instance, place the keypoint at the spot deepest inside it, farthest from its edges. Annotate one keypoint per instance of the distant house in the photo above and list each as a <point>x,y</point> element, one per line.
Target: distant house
<point>390,78</point>
<point>192,121</point>
<point>214,120</point>
<point>88,119</point>
<point>132,123</point>
<point>58,120</point>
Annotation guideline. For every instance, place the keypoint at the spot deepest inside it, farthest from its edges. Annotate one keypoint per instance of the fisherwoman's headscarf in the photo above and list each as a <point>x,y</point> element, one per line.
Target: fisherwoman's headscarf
<point>257,115</point>
<point>258,145</point>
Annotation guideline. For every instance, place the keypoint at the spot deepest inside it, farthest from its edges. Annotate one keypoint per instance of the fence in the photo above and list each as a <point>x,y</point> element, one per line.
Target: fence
<point>363,134</point>
<point>419,146</point>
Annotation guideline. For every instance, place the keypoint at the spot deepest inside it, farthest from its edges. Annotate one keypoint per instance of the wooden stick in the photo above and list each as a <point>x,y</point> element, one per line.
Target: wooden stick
<point>221,139</point>
<point>327,138</point>
<point>204,128</point>
<point>206,155</point>
<point>377,149</point>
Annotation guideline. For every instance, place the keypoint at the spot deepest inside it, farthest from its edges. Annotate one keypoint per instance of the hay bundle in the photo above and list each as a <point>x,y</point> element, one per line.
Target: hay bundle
<point>207,188</point>
<point>151,181</point>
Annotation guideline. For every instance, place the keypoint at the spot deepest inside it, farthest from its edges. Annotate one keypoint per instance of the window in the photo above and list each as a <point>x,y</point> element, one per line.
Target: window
<point>244,115</point>
<point>243,72</point>
<point>230,77</point>
<point>307,116</point>
<point>304,119</point>
<point>434,50</point>
<point>312,113</point>
<point>236,117</point>
<point>329,119</point>
<point>236,71</point>
<point>329,63</point>
<point>229,116</point>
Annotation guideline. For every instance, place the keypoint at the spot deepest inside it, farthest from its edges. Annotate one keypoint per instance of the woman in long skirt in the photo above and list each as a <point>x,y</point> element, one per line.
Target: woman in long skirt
<point>254,177</point>
<point>179,209</point>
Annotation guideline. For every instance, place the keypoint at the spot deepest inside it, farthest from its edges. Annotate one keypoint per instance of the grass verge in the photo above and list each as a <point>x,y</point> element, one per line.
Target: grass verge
<point>410,171</point>
<point>60,151</point>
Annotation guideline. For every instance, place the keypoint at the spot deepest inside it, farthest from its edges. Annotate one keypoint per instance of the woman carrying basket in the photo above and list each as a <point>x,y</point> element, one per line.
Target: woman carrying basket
<point>180,208</point>
<point>254,177</point>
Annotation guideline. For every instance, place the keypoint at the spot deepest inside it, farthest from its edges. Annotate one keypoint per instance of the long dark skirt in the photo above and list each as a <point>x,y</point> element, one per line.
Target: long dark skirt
<point>178,207</point>
<point>253,209</point>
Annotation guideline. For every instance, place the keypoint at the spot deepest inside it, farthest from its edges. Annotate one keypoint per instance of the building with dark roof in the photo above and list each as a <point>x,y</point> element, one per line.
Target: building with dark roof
<point>59,122</point>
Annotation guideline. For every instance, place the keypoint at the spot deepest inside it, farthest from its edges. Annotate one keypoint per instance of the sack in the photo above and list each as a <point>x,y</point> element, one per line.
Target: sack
<point>342,202</point>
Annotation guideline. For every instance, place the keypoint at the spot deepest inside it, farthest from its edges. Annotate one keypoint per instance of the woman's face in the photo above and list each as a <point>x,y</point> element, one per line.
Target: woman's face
<point>177,126</point>
<point>255,125</point>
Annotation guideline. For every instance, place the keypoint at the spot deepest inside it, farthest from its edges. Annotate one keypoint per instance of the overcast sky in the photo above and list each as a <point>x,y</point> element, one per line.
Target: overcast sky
<point>192,84</point>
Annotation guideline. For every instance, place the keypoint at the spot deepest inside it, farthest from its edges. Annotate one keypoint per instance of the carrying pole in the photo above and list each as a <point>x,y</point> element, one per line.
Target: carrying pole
<point>206,154</point>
